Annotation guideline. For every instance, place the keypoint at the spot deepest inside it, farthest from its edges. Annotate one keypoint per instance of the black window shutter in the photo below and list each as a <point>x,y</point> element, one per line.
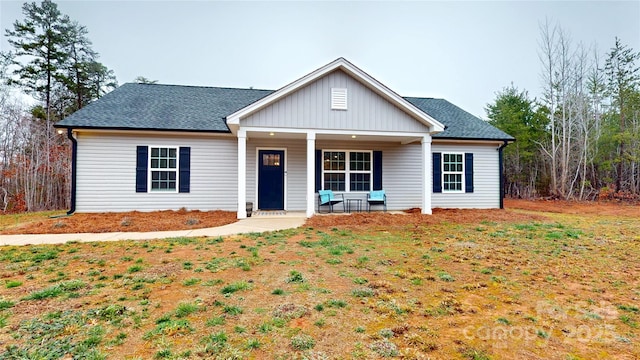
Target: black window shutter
<point>468,172</point>
<point>142,159</point>
<point>437,172</point>
<point>318,170</point>
<point>377,170</point>
<point>185,169</point>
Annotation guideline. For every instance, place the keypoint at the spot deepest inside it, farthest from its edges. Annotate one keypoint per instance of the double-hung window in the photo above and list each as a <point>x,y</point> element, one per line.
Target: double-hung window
<point>347,170</point>
<point>359,171</point>
<point>163,168</point>
<point>452,172</point>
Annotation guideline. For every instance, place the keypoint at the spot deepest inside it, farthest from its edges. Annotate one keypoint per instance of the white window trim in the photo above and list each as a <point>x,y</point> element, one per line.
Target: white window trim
<point>149,170</point>
<point>462,189</point>
<point>347,171</point>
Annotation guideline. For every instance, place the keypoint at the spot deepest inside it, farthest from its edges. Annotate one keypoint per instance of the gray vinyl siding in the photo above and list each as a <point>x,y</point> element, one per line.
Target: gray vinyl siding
<point>310,108</point>
<point>486,192</point>
<point>295,177</point>
<point>106,174</point>
<point>401,172</point>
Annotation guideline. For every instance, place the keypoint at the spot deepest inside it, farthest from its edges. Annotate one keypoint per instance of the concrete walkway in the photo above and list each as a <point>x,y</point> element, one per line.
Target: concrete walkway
<point>248,225</point>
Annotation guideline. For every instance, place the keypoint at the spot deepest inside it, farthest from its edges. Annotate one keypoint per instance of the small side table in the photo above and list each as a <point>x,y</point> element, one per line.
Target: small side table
<point>354,205</point>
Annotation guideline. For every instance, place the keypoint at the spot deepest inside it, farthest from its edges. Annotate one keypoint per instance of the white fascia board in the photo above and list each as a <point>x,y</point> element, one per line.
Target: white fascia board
<point>344,65</point>
<point>185,133</point>
<point>334,132</point>
<point>437,141</point>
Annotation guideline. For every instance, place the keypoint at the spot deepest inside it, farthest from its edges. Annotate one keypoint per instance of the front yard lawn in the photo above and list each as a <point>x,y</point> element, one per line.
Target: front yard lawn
<point>458,285</point>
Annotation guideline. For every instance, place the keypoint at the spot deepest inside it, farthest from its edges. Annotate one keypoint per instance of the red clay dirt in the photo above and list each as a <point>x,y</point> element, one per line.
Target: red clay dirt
<point>614,208</point>
<point>133,221</point>
<point>414,217</point>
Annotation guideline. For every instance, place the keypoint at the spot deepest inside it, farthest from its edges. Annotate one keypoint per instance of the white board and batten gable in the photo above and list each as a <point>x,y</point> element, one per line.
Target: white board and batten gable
<point>338,96</point>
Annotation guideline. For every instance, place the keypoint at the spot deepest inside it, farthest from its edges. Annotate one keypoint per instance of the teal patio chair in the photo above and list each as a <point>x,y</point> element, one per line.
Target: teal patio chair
<point>377,197</point>
<point>328,198</point>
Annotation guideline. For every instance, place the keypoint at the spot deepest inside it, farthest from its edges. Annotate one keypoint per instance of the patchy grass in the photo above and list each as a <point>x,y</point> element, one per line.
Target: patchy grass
<point>8,221</point>
<point>458,285</point>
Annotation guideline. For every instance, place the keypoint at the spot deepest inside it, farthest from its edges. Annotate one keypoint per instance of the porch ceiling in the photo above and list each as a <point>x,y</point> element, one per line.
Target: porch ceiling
<point>343,136</point>
<point>370,138</point>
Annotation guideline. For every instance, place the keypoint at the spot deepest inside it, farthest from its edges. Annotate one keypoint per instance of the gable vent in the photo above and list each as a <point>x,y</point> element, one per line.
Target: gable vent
<point>338,99</point>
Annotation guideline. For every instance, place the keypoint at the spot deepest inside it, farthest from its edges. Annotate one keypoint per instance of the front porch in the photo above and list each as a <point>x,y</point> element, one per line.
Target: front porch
<point>406,167</point>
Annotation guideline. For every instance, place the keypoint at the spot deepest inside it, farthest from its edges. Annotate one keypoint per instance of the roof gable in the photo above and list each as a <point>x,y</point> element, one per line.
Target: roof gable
<point>233,120</point>
<point>310,107</point>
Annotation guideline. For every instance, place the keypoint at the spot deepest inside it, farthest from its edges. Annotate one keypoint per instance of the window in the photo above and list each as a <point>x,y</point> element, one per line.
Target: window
<point>335,170</point>
<point>338,171</point>
<point>271,159</point>
<point>163,166</point>
<point>452,172</point>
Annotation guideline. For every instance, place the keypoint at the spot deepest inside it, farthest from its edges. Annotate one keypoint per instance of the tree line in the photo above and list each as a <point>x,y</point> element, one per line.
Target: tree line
<point>51,59</point>
<point>581,138</point>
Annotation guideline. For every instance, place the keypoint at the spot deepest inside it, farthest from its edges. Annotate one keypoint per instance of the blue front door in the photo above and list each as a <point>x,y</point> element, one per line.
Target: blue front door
<point>271,179</point>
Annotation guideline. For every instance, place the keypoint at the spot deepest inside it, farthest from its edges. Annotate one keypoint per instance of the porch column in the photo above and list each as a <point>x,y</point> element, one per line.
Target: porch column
<point>426,174</point>
<point>242,174</point>
<point>311,169</point>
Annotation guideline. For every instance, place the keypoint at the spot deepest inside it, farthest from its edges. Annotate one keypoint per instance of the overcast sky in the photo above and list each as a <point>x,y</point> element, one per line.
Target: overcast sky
<point>461,51</point>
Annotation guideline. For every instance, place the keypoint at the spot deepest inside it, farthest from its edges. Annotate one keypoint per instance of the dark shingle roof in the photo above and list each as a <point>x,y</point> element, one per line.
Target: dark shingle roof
<point>164,107</point>
<point>193,108</point>
<point>459,123</point>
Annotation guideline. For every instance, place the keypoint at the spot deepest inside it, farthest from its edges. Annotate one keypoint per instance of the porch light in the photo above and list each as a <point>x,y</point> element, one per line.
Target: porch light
<point>271,133</point>
<point>353,136</point>
<point>60,131</point>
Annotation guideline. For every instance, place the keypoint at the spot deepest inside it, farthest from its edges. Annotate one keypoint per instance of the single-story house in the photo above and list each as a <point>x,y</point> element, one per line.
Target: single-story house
<point>154,147</point>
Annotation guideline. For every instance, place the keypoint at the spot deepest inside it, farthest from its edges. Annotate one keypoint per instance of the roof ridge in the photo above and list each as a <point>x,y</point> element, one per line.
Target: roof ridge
<point>423,98</point>
<point>197,86</point>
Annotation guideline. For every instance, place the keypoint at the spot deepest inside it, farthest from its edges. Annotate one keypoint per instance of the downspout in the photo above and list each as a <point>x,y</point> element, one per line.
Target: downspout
<point>74,157</point>
<point>500,167</point>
